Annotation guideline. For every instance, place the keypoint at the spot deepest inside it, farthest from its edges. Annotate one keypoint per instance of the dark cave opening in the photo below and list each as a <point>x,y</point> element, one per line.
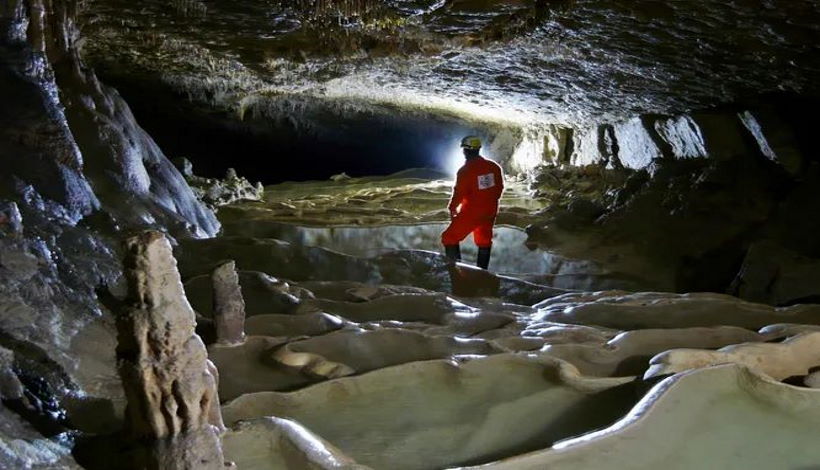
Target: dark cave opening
<point>292,147</point>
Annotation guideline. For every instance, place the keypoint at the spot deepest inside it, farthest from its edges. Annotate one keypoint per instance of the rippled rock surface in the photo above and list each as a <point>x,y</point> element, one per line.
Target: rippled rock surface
<point>724,414</point>
<point>405,362</point>
<point>581,59</point>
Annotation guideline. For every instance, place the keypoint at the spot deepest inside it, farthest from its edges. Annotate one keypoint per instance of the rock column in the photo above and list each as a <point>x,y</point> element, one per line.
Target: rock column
<point>229,306</point>
<point>170,385</point>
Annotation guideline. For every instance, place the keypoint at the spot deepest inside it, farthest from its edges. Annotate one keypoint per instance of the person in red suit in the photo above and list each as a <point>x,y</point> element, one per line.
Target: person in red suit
<point>474,204</point>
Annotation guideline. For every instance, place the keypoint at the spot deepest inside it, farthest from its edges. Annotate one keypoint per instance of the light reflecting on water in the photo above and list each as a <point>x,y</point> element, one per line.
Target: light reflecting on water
<point>510,254</point>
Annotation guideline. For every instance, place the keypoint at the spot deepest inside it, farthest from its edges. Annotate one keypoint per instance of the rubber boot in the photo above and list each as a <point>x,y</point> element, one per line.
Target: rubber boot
<point>453,252</point>
<point>483,258</point>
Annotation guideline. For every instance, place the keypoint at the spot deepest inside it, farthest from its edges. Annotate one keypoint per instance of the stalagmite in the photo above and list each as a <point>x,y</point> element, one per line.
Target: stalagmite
<point>229,306</point>
<point>169,383</point>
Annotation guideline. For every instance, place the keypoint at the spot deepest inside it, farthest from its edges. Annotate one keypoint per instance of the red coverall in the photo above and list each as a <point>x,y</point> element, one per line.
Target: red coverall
<point>479,184</point>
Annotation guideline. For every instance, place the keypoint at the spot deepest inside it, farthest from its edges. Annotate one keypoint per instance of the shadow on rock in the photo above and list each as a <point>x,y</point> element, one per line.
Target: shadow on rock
<point>472,282</point>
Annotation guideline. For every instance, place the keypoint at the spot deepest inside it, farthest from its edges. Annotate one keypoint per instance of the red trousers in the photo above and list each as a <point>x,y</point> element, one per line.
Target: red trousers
<point>481,226</point>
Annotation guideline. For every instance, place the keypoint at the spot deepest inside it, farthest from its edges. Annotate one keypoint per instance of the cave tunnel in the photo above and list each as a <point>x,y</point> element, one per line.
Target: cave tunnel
<point>228,236</point>
<point>316,146</point>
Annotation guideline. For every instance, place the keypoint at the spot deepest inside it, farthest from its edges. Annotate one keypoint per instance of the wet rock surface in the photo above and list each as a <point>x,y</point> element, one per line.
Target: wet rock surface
<point>643,169</point>
<point>506,387</point>
<point>412,363</point>
<point>714,409</point>
<point>281,443</point>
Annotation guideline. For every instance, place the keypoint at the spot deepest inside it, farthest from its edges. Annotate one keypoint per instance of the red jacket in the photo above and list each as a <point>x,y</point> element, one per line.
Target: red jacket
<point>479,184</point>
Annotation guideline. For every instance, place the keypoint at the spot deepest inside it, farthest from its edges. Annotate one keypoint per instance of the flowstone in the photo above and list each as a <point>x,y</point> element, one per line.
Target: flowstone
<point>309,324</point>
<point>628,354</point>
<point>720,417</point>
<point>660,310</point>
<point>253,369</point>
<point>797,356</point>
<point>423,415</point>
<point>275,444</point>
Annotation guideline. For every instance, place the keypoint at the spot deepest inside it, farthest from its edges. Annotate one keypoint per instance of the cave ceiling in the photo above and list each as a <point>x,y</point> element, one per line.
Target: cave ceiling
<point>515,60</point>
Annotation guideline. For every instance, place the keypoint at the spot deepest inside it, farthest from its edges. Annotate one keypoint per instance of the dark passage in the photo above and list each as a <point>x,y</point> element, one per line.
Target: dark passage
<point>312,143</point>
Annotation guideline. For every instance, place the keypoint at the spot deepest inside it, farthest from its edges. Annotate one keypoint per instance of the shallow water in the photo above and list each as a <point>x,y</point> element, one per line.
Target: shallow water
<point>510,254</point>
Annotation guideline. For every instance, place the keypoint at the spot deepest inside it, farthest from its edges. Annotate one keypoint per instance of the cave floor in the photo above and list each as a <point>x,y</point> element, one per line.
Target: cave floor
<point>410,197</point>
<point>395,359</point>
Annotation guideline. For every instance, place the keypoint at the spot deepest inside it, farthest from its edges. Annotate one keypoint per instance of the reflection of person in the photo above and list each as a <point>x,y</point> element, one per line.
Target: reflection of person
<point>474,205</point>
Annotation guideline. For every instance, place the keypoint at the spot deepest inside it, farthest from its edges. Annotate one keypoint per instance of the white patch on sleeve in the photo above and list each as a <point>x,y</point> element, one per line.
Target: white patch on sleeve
<point>486,181</point>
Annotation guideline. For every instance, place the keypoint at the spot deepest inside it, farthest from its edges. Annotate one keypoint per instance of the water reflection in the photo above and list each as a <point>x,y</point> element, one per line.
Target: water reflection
<point>510,255</point>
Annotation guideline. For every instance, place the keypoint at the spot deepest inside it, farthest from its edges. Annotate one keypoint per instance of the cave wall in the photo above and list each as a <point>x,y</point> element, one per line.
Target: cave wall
<point>769,128</point>
<point>77,173</point>
<point>703,201</point>
<point>74,140</point>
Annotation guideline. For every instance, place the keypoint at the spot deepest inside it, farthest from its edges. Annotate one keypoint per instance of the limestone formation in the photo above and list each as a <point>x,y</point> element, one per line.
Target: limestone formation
<point>262,294</point>
<point>10,386</point>
<point>169,382</point>
<point>784,330</point>
<point>267,364</point>
<point>727,416</point>
<point>249,369</point>
<point>309,324</point>
<point>363,351</point>
<point>273,257</point>
<point>348,291</point>
<point>365,346</point>
<point>229,306</point>
<point>214,192</point>
<point>628,353</point>
<point>311,365</point>
<point>812,380</point>
<point>660,310</point>
<point>272,442</point>
<point>559,333</point>
<point>430,308</point>
<point>424,415</point>
<point>797,356</point>
<point>11,222</point>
